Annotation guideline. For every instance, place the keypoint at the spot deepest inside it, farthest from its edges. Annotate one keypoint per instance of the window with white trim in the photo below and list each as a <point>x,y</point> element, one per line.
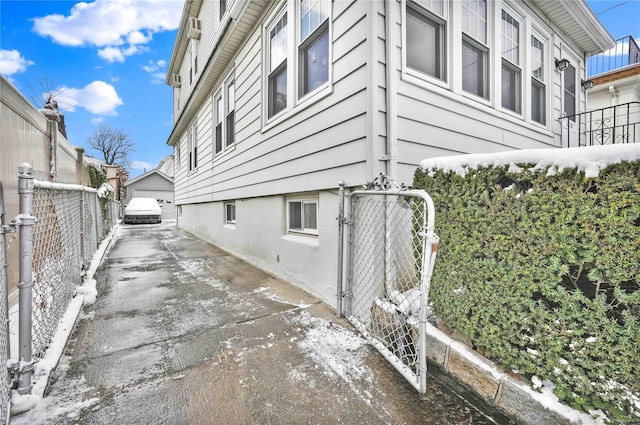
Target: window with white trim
<point>230,120</point>
<point>192,146</point>
<point>230,212</point>
<point>302,216</point>
<point>511,71</point>
<point>426,36</point>
<point>475,49</point>
<point>538,86</point>
<point>224,116</point>
<point>277,58</point>
<point>223,8</point>
<point>218,114</point>
<point>176,149</point>
<point>297,50</point>
<point>193,60</point>
<point>313,47</point>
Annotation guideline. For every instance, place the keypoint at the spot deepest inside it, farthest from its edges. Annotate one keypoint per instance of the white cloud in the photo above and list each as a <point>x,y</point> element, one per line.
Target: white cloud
<point>97,120</point>
<point>97,97</point>
<point>119,27</point>
<point>142,165</point>
<point>12,62</point>
<point>153,69</point>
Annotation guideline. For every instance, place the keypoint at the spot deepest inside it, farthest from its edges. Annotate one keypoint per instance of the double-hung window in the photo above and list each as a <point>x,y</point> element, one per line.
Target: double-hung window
<point>223,8</point>
<point>192,147</point>
<point>511,72</point>
<point>230,212</point>
<point>297,55</point>
<point>475,50</point>
<point>538,86</point>
<point>313,48</point>
<point>219,113</point>
<point>277,85</point>
<point>231,113</point>
<point>193,60</point>
<point>302,216</point>
<point>426,38</point>
<point>224,116</point>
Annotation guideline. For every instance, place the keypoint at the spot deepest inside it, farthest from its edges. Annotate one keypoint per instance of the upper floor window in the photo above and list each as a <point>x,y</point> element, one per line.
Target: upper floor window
<point>475,49</point>
<point>192,146</point>
<point>297,54</point>
<point>223,8</point>
<point>224,116</point>
<point>538,86</point>
<point>231,113</point>
<point>314,45</point>
<point>511,72</point>
<point>193,60</point>
<point>218,113</point>
<point>277,85</point>
<point>426,38</point>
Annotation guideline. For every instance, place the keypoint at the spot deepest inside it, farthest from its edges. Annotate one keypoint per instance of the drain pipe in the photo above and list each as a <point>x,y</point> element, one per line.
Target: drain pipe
<point>391,156</point>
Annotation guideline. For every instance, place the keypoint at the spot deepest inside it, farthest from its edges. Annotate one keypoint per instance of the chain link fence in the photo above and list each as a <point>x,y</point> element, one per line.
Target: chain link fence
<point>70,223</point>
<point>60,227</point>
<point>391,251</point>
<point>4,337</point>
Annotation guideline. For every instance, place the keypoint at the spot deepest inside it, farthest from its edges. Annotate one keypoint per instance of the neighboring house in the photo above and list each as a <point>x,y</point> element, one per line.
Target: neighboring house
<point>154,184</point>
<point>613,97</point>
<point>277,101</point>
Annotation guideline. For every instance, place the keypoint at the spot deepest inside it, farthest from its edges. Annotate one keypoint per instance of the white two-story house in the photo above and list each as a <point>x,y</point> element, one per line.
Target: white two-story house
<point>275,102</point>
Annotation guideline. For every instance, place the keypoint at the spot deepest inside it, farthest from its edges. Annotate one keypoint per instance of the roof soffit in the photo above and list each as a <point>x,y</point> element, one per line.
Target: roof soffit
<point>577,20</point>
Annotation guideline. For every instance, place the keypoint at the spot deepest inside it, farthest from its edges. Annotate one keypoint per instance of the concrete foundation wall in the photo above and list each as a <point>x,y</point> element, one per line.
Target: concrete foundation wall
<point>260,237</point>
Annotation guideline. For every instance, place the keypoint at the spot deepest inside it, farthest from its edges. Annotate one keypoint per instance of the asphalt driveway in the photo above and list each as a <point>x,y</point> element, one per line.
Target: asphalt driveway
<point>184,333</point>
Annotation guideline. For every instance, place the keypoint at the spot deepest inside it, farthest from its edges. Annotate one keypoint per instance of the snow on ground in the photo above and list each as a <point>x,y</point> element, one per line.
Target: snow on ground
<point>589,159</point>
<point>336,350</point>
<point>85,294</point>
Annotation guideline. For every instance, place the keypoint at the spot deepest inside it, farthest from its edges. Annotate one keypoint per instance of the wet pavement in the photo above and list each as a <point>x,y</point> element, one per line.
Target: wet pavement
<point>184,333</point>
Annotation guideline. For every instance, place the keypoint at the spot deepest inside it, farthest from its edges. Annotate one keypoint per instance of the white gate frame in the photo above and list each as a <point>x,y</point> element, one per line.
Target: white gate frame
<point>383,186</point>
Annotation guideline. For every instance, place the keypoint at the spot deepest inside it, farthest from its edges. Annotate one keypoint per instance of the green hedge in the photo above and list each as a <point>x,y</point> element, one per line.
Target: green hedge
<point>542,273</point>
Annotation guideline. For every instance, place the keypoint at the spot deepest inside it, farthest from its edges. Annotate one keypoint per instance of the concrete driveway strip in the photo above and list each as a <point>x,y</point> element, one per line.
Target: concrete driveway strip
<point>184,333</point>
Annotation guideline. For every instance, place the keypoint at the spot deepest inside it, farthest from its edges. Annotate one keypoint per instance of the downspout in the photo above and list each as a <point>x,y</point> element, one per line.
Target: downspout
<point>391,156</point>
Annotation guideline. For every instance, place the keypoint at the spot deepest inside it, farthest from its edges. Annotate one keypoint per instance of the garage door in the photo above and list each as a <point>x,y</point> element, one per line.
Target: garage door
<point>165,199</point>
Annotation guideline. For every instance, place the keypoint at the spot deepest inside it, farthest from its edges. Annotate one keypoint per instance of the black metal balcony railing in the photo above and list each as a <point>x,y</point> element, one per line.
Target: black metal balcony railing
<point>605,126</point>
<point>626,52</point>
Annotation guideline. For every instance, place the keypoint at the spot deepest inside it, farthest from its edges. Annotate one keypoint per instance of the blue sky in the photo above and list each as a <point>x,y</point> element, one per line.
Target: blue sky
<point>111,56</point>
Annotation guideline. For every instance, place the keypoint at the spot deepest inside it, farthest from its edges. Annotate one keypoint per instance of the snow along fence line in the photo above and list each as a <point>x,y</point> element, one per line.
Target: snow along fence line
<point>60,227</point>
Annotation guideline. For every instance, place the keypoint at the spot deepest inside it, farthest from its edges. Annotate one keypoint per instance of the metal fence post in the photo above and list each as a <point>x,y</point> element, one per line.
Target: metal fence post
<point>5,266</point>
<point>341,220</point>
<point>25,286</point>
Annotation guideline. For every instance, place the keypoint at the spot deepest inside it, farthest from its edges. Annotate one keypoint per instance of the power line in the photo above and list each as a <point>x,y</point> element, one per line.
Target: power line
<point>613,7</point>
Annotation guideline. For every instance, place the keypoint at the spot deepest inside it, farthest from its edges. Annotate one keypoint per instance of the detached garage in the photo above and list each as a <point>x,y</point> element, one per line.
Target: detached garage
<point>154,184</point>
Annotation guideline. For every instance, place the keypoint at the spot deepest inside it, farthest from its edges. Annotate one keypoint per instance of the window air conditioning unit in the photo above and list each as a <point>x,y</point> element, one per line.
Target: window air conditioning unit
<point>194,28</point>
<point>176,81</point>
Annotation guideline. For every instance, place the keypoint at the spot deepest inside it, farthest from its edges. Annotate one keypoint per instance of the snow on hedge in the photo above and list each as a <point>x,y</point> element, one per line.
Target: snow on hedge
<point>588,159</point>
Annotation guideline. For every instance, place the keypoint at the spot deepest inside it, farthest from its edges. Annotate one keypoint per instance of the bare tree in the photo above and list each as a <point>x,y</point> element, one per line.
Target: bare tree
<point>46,97</point>
<point>114,145</point>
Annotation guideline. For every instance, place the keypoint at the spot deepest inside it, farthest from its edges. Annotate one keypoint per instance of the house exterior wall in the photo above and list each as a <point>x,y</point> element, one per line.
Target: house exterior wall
<point>374,115</point>
<point>259,237</point>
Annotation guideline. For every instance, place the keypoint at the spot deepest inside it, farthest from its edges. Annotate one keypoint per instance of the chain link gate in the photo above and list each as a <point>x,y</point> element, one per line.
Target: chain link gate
<point>390,257</point>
